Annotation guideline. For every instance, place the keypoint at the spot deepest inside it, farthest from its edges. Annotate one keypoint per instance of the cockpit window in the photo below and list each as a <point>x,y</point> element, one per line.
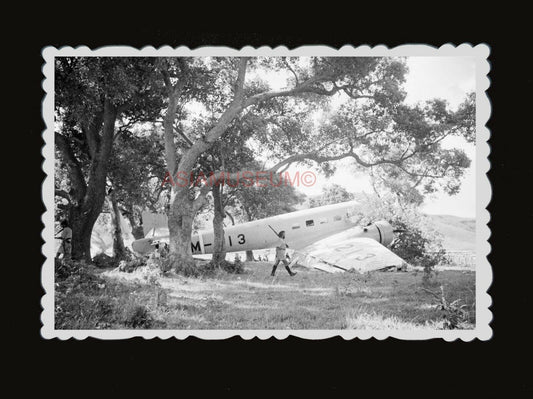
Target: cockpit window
<point>309,223</point>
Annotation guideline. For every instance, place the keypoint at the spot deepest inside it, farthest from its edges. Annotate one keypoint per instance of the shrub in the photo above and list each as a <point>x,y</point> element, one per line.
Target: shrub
<point>130,265</point>
<point>84,300</point>
<point>71,272</point>
<point>417,242</point>
<point>454,315</point>
<point>104,261</point>
<point>137,316</point>
<point>236,267</point>
<point>174,262</point>
<point>198,269</point>
<point>65,268</point>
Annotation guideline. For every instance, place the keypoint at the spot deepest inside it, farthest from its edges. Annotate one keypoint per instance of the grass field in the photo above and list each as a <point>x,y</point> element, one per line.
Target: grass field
<point>254,300</point>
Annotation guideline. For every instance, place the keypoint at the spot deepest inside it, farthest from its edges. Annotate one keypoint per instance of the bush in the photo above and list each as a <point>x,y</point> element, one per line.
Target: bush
<point>104,261</point>
<point>83,300</point>
<point>454,315</point>
<point>75,272</point>
<point>65,268</point>
<point>417,243</point>
<point>199,269</point>
<point>180,266</point>
<point>236,267</point>
<point>78,297</point>
<point>130,265</point>
<point>137,316</point>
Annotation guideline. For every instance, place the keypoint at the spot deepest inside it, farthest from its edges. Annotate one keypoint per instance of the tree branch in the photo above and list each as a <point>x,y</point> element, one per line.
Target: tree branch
<point>203,144</point>
<point>292,70</point>
<point>231,217</point>
<point>199,201</point>
<point>91,130</point>
<point>183,135</point>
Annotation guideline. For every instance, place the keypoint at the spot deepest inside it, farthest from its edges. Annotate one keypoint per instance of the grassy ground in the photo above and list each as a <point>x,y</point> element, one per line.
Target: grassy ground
<point>254,300</point>
<point>85,300</point>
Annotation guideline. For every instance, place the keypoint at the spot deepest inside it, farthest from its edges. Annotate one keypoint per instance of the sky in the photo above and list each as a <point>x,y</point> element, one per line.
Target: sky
<point>449,78</point>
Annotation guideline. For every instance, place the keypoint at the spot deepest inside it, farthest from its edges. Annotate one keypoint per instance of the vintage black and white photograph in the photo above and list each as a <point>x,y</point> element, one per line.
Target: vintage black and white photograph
<point>313,192</point>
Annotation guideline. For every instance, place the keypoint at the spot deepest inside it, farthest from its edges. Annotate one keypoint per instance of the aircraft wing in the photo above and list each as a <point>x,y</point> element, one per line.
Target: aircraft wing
<point>346,251</point>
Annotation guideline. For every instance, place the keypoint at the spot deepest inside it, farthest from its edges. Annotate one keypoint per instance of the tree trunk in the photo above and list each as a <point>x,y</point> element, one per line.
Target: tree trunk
<point>182,209</point>
<point>91,196</point>
<point>250,256</point>
<point>119,250</point>
<point>81,235</point>
<point>136,228</point>
<point>219,253</point>
<point>180,219</point>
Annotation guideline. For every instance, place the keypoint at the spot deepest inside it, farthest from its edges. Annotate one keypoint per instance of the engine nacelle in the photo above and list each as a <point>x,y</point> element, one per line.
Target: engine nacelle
<point>381,231</point>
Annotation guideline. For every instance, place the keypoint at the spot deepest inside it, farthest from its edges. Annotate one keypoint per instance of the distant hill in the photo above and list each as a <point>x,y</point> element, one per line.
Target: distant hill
<point>459,233</point>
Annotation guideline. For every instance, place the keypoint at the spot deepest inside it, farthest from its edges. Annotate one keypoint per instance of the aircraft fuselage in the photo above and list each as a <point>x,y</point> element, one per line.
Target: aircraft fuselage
<point>301,228</point>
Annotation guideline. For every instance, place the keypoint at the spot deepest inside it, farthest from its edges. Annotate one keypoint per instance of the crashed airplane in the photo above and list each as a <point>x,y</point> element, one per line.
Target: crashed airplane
<point>326,238</point>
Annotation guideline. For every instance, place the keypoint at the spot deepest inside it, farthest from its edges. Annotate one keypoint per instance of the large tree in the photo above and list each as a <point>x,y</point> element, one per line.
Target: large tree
<point>96,99</point>
<point>229,154</point>
<point>376,80</point>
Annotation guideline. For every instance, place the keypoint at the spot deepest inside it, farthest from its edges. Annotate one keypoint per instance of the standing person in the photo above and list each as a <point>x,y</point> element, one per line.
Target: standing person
<point>281,247</point>
<point>66,241</point>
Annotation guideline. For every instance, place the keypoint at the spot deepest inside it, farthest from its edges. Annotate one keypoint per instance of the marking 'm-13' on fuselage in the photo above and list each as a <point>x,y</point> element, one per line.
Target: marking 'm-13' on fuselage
<point>302,228</point>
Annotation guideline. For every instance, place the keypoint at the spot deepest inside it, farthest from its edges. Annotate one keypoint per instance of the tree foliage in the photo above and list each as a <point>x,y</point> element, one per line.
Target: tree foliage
<point>417,242</point>
<point>135,174</point>
<point>331,194</point>
<point>92,95</point>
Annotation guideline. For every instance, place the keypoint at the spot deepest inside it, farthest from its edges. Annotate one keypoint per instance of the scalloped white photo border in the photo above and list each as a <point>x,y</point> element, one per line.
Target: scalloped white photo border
<point>480,53</point>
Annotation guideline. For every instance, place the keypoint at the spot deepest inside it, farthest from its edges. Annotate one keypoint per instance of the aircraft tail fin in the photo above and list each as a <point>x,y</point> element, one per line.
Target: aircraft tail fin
<point>154,222</point>
<point>155,227</point>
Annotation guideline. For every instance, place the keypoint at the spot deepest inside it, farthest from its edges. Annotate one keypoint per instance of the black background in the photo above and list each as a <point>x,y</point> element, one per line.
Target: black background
<point>293,365</point>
